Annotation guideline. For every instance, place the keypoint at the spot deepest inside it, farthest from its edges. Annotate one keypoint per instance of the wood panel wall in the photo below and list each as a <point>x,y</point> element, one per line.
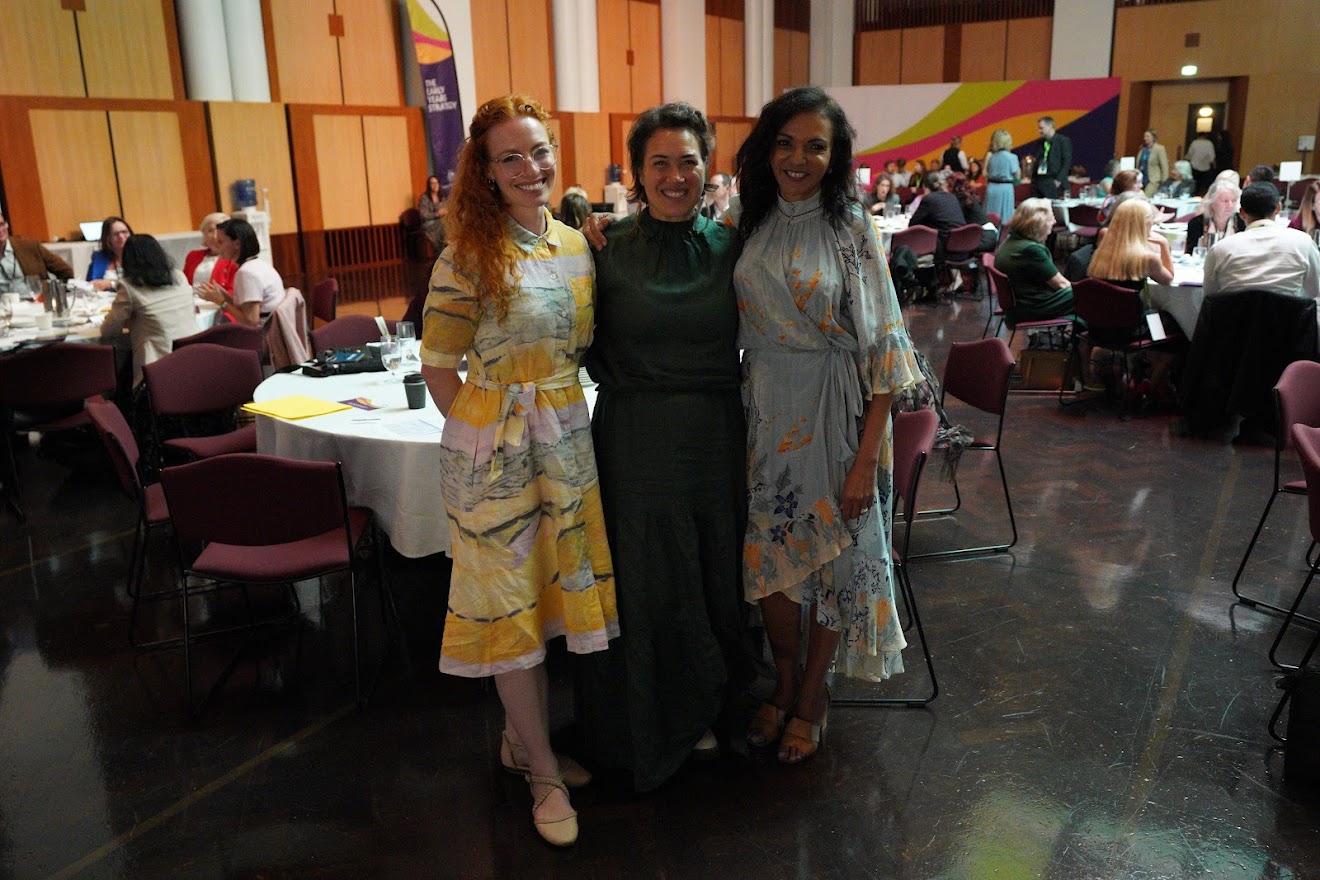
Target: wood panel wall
<point>54,153</point>
<point>252,141</point>
<point>306,55</point>
<point>878,58</point>
<point>730,132</point>
<point>978,52</point>
<point>792,59</point>
<point>105,49</point>
<point>1027,48</point>
<point>584,140</point>
<point>628,50</point>
<point>389,175</point>
<point>982,53</point>
<point>922,54</point>
<point>726,76</point>
<point>513,50</point>
<point>1278,78</point>
<point>370,59</point>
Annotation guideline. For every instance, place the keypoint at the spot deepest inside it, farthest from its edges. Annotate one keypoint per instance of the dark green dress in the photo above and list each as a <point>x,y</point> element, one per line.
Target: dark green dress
<point>1029,267</point>
<point>670,442</point>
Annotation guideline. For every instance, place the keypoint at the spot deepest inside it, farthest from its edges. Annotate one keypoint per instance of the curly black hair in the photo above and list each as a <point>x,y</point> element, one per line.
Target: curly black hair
<point>756,180</point>
<point>678,114</point>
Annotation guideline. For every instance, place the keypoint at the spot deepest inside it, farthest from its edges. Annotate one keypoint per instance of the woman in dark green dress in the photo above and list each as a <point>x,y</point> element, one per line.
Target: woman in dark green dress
<point>670,444</point>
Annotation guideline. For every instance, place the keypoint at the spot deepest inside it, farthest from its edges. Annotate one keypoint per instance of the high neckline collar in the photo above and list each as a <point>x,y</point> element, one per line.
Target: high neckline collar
<point>799,209</point>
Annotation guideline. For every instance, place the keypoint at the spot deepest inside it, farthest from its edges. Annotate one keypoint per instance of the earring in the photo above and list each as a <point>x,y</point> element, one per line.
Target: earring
<point>490,182</point>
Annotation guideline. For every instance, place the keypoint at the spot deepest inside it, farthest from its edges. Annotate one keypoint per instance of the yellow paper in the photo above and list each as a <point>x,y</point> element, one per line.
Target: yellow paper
<point>295,407</point>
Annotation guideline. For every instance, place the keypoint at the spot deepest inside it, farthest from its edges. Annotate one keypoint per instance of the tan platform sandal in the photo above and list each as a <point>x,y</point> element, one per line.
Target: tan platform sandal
<point>767,726</point>
<point>802,737</point>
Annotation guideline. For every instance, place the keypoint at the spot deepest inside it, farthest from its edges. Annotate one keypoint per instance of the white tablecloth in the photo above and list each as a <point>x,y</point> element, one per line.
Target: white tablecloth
<point>78,254</point>
<point>387,468</point>
<point>885,227</point>
<point>1183,297</point>
<point>84,323</point>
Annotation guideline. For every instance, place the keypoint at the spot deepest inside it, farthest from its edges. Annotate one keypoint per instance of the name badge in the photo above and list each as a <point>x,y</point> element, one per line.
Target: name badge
<point>1040,169</point>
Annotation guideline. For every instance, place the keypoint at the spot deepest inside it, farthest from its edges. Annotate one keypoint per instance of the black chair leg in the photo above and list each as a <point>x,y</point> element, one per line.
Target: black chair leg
<point>1260,604</point>
<point>1288,620</point>
<point>904,587</point>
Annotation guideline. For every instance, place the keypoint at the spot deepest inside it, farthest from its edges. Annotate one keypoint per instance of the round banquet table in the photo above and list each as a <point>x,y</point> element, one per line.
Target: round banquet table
<point>1184,296</point>
<point>391,455</point>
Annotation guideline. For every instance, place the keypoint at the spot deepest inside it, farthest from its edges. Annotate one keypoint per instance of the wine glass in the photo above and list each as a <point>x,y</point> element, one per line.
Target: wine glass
<point>391,355</point>
<point>407,336</point>
<point>34,284</point>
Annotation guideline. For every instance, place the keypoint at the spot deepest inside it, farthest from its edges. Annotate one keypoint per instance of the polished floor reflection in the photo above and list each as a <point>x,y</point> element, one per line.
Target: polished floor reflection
<point>1103,708</point>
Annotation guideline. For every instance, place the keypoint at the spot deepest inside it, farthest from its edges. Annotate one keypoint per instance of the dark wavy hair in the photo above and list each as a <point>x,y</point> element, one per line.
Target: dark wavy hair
<point>678,114</point>
<point>242,232</point>
<point>756,179</point>
<point>106,224</point>
<point>146,264</point>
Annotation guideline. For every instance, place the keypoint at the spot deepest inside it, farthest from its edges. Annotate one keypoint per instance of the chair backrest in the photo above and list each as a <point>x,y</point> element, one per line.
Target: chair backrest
<point>1084,215</point>
<point>411,218</point>
<point>201,378</point>
<point>324,299</point>
<point>921,239</point>
<point>994,218</point>
<point>119,442</point>
<point>241,336</point>
<point>904,194</point>
<point>963,239</point>
<point>1306,439</point>
<point>1021,192</point>
<point>252,500</point>
<point>977,373</point>
<point>1105,306</point>
<point>1297,398</point>
<point>914,438</point>
<point>56,374</point>
<point>1003,288</point>
<point>988,259</point>
<point>348,330</point>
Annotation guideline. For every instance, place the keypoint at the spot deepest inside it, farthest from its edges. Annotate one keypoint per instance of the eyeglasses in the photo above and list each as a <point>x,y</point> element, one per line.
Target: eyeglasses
<point>512,164</point>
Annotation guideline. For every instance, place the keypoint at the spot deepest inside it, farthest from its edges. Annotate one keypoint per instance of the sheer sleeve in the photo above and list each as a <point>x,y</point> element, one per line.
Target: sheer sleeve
<point>450,316</point>
<point>886,361</point>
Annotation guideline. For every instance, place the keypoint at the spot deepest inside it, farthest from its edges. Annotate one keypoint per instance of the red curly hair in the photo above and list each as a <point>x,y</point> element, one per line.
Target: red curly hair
<point>475,223</point>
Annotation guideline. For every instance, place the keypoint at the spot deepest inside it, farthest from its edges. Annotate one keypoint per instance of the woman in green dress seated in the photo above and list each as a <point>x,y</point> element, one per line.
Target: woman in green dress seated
<point>1039,289</point>
<point>669,438</point>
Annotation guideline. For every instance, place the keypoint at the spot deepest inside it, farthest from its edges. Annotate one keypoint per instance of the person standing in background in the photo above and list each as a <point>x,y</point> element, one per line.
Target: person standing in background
<point>1049,179</point>
<point>1152,162</point>
<point>954,159</point>
<point>1201,156</point>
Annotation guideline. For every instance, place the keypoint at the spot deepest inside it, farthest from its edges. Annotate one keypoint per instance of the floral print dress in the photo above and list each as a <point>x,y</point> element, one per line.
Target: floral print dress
<point>821,332</point>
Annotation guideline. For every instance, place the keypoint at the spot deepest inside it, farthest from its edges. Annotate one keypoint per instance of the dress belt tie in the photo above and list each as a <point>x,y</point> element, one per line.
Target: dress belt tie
<point>520,399</point>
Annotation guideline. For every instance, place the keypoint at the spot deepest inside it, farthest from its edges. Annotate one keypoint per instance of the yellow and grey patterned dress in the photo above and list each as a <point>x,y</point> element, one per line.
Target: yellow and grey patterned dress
<point>531,560</point>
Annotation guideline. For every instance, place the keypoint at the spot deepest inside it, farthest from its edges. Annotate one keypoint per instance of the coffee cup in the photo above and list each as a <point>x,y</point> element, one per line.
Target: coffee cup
<point>414,386</point>
<point>45,320</point>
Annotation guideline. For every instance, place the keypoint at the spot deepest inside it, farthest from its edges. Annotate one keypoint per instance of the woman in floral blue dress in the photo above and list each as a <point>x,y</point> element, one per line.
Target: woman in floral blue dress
<point>824,351</point>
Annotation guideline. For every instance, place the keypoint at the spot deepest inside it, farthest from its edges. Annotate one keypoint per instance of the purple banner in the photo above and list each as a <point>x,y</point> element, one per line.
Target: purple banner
<point>444,113</point>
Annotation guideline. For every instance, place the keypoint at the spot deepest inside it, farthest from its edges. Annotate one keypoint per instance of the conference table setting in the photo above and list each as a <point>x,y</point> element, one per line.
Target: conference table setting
<point>391,453</point>
<point>886,226</point>
<point>25,318</point>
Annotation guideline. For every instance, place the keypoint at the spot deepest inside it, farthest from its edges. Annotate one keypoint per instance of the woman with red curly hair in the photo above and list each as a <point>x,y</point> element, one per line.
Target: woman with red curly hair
<point>513,293</point>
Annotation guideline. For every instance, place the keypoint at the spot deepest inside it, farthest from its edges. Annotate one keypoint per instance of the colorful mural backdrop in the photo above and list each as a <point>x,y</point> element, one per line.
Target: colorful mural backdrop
<point>917,121</point>
<point>444,114</point>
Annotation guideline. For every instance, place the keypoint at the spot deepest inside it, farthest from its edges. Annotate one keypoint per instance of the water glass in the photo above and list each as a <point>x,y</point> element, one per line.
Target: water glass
<point>1199,252</point>
<point>1315,236</point>
<point>34,283</point>
<point>391,355</point>
<point>407,335</point>
<point>6,311</point>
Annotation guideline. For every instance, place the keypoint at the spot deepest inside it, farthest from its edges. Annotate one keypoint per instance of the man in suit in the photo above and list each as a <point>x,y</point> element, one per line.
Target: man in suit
<point>1053,159</point>
<point>20,257</point>
<point>1152,162</point>
<point>717,200</point>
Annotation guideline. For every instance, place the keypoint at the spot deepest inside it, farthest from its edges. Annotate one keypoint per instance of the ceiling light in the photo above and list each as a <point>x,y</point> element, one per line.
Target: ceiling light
<point>1189,70</point>
<point>1206,111</point>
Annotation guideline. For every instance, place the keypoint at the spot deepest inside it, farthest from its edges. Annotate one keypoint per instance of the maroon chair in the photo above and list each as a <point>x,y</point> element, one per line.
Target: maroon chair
<point>44,389</point>
<point>266,521</point>
<point>995,310</point>
<point>1003,291</point>
<point>904,194</point>
<point>241,336</point>
<point>921,239</point>
<point>995,219</point>
<point>1296,402</point>
<point>1306,439</point>
<point>1114,318</point>
<point>348,330</point>
<point>960,252</point>
<point>1021,192</point>
<point>1085,220</point>
<point>202,379</point>
<point>914,439</point>
<point>153,512</point>
<point>323,301</point>
<point>978,374</point>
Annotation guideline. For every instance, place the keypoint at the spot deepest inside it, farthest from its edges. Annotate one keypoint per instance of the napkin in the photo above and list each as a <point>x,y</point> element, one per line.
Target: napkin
<point>295,407</point>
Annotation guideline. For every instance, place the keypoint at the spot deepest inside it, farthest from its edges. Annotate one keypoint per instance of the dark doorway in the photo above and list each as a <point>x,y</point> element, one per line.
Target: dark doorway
<point>1196,121</point>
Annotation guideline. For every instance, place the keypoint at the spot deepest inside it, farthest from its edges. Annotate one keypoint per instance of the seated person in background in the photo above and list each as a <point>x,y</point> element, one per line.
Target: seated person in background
<point>1179,184</point>
<point>976,177</point>
<point>21,257</point>
<point>1128,255</point>
<point>155,303</point>
<point>431,206</point>
<point>918,176</point>
<point>205,264</point>
<point>1039,290</point>
<point>1107,178</point>
<point>716,204</point>
<point>574,209</point>
<point>1228,174</point>
<point>1307,217</point>
<point>960,187</point>
<point>939,209</point>
<point>1264,256</point>
<point>106,262</point>
<point>1124,181</point>
<point>1132,195</point>
<point>1258,174</point>
<point>258,287</point>
<point>1218,214</point>
<point>1077,174</point>
<point>902,177</point>
<point>882,195</point>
